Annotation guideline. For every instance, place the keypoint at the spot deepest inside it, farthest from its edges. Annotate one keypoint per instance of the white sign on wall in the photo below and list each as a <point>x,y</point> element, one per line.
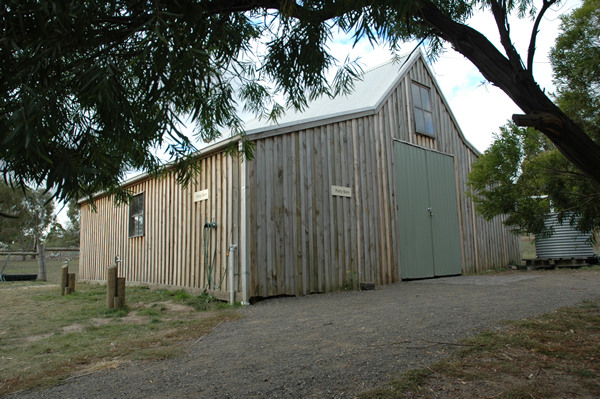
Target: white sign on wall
<point>201,195</point>
<point>341,191</point>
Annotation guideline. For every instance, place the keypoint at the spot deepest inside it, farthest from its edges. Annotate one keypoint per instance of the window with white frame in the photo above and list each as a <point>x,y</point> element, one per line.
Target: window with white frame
<point>136,216</point>
<point>422,109</point>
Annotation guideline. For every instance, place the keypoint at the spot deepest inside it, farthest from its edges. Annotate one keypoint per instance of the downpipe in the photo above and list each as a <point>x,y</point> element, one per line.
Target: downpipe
<point>231,275</point>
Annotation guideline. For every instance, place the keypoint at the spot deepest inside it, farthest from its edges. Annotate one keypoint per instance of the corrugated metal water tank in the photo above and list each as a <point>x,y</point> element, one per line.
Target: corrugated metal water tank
<point>566,242</point>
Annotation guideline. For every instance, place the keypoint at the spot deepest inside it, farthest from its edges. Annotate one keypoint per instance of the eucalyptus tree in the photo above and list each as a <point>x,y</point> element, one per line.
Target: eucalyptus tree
<point>522,174</point>
<point>31,214</point>
<point>575,59</point>
<point>524,177</point>
<point>88,87</point>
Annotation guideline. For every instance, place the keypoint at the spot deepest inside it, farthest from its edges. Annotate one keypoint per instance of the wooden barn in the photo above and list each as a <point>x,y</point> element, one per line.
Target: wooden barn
<point>367,188</point>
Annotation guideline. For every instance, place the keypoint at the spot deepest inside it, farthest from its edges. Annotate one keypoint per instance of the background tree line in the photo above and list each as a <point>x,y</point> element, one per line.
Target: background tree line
<point>89,89</point>
<point>29,219</point>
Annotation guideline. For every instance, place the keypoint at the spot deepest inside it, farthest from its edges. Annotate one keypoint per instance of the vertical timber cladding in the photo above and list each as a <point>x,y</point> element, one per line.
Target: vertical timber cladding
<point>319,211</point>
<point>428,223</point>
<point>171,251</point>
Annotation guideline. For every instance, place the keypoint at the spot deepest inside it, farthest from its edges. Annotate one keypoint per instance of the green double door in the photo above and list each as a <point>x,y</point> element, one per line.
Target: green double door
<point>427,213</point>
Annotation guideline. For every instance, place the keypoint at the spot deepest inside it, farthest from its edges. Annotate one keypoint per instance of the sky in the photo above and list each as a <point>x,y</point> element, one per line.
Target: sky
<point>479,107</point>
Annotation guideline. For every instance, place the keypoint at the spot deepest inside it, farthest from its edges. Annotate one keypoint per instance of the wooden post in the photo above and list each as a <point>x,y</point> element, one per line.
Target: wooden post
<point>64,279</point>
<point>71,283</point>
<point>41,263</point>
<point>111,286</point>
<point>120,298</point>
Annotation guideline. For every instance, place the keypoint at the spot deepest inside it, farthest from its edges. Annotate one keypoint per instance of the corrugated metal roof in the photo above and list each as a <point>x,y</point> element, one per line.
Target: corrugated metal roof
<point>368,93</point>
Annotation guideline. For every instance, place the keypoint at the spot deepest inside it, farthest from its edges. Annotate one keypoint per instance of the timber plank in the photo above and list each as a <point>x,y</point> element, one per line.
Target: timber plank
<point>288,250</point>
<point>261,228</point>
<point>349,216</point>
<point>193,232</point>
<point>202,218</point>
<point>299,253</point>
<point>373,198</point>
<point>359,241</point>
<point>305,212</point>
<point>277,215</point>
<point>271,272</point>
<point>344,220</point>
<point>393,238</point>
<point>384,137</point>
<point>251,226</point>
<point>321,207</point>
<point>364,272</point>
<point>382,262</point>
<point>310,181</point>
<point>334,250</point>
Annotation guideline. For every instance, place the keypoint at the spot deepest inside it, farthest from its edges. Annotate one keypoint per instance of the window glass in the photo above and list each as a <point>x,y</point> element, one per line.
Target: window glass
<point>136,216</point>
<point>423,110</point>
<point>419,120</point>
<point>416,95</point>
<point>428,123</point>
<point>426,105</point>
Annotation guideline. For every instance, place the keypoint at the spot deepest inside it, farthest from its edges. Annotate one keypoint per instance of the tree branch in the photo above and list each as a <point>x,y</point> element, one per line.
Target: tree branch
<point>519,85</point>
<point>8,216</point>
<point>570,173</point>
<point>534,32</point>
<point>500,15</point>
<point>229,6</point>
<point>286,8</point>
<point>540,120</point>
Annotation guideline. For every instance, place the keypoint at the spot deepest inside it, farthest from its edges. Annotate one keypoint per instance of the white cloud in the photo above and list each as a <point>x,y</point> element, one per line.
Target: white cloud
<point>482,108</point>
<point>479,107</point>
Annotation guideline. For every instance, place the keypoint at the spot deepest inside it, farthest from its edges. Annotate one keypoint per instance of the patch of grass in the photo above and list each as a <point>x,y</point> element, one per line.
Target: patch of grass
<point>522,391</point>
<point>550,356</point>
<point>148,312</point>
<point>201,302</point>
<point>494,270</point>
<point>585,373</point>
<point>593,268</point>
<point>587,304</point>
<point>411,380</point>
<point>30,266</point>
<point>45,337</point>
<point>528,247</point>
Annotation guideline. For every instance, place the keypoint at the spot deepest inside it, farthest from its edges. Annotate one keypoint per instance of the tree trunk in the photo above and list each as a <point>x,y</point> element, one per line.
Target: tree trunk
<point>23,245</point>
<point>519,85</point>
<point>41,263</point>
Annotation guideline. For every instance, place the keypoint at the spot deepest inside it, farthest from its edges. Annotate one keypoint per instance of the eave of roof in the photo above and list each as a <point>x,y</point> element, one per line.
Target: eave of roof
<point>368,96</point>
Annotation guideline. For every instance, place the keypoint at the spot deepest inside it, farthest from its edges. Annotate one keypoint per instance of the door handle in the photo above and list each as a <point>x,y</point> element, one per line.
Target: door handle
<point>430,211</point>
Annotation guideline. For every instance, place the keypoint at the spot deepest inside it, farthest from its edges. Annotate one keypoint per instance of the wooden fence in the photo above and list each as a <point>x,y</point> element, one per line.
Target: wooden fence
<point>41,255</point>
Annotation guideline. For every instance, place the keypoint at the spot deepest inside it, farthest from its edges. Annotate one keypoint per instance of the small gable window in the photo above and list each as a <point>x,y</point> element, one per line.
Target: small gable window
<point>136,216</point>
<point>422,109</point>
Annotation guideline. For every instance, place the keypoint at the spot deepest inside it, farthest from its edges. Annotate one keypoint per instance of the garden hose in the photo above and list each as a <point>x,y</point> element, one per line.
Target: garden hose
<point>209,263</point>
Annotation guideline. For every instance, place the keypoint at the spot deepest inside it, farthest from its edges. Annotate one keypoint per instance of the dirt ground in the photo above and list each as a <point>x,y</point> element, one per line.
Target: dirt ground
<point>336,345</point>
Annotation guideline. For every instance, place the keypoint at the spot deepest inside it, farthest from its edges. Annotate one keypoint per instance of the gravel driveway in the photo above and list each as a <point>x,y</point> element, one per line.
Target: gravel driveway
<point>336,345</point>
